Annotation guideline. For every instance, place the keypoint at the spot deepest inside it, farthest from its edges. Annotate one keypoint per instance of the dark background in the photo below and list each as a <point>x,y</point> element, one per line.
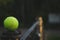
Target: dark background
<point>26,11</point>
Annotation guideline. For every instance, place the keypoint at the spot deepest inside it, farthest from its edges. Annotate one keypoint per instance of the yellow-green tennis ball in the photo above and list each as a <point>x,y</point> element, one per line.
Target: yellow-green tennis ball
<point>11,23</point>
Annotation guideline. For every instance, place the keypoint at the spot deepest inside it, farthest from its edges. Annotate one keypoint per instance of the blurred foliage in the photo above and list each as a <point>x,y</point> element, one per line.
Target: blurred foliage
<point>5,2</point>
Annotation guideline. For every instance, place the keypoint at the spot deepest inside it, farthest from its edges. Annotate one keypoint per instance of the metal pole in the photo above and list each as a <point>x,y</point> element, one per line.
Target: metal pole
<point>41,28</point>
<point>27,33</point>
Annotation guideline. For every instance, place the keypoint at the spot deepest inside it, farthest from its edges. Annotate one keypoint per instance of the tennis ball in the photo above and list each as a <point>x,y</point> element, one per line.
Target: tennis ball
<point>11,23</point>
